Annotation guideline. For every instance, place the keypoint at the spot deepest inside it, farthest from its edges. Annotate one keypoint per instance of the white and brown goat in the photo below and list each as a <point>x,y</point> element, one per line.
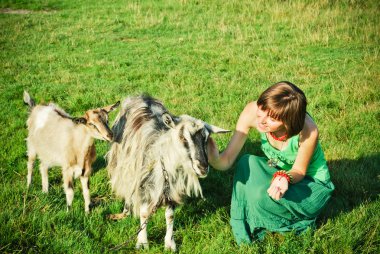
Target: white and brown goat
<point>155,160</point>
<point>58,139</point>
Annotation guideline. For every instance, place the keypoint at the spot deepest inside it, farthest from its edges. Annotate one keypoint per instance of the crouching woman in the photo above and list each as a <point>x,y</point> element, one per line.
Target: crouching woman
<point>286,189</point>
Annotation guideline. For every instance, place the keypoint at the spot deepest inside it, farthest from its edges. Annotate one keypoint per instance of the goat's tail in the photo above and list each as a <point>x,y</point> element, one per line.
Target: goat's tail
<point>29,100</point>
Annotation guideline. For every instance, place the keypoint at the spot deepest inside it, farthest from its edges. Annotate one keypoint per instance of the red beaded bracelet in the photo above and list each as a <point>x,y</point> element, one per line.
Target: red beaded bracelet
<point>285,174</point>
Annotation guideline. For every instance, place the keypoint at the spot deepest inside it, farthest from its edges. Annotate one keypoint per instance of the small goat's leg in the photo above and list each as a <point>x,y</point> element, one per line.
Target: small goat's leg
<point>31,158</point>
<point>169,239</point>
<point>85,178</point>
<point>44,177</point>
<point>68,186</point>
<point>142,237</point>
<point>86,193</point>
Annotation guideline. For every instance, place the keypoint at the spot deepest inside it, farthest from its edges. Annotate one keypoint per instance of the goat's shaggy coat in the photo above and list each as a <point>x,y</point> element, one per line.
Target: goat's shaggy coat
<point>61,140</point>
<point>156,159</point>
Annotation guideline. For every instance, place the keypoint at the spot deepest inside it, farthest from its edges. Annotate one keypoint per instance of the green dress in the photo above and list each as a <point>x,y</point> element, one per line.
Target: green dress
<point>253,211</point>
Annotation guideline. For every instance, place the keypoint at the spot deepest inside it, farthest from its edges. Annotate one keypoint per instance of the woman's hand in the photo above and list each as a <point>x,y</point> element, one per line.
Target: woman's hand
<point>278,187</point>
<point>212,151</point>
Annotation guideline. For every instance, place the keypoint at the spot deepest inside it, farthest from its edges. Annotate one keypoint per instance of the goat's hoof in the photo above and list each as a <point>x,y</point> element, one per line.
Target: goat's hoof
<point>118,216</point>
<point>170,245</point>
<point>68,208</point>
<point>87,208</point>
<point>144,246</point>
<point>172,248</point>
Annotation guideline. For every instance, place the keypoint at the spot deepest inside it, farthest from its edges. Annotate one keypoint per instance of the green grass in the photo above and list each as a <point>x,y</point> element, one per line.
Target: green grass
<point>202,58</point>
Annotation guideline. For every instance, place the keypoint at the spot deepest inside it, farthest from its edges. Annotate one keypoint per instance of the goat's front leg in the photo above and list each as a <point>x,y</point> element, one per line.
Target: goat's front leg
<point>85,178</point>
<point>86,193</point>
<point>142,237</point>
<point>169,216</point>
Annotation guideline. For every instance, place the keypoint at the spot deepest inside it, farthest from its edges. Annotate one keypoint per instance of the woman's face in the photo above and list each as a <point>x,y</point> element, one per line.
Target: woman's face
<point>265,123</point>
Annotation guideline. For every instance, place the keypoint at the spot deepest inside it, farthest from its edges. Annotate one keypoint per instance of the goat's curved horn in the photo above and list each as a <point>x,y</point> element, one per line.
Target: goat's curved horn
<point>215,129</point>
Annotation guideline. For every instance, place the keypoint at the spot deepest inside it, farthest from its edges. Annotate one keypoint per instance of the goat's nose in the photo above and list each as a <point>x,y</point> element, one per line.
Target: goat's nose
<point>206,170</point>
<point>202,164</point>
<point>203,167</point>
<point>203,172</point>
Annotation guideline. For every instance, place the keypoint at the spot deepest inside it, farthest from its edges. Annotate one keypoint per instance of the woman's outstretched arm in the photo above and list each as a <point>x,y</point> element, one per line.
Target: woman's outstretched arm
<point>224,161</point>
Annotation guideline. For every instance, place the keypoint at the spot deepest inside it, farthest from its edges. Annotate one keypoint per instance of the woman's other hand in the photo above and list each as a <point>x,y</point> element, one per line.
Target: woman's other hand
<point>278,187</point>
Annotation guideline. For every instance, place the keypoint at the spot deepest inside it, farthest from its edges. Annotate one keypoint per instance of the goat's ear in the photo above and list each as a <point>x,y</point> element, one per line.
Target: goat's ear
<point>111,107</point>
<point>29,100</point>
<point>168,120</point>
<point>80,120</point>
<point>215,129</point>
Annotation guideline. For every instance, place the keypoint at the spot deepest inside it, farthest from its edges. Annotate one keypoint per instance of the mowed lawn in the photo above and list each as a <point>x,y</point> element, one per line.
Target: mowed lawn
<point>202,58</point>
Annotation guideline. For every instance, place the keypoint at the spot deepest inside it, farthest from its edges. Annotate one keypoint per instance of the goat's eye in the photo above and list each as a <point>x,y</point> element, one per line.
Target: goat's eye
<point>203,134</point>
<point>104,120</point>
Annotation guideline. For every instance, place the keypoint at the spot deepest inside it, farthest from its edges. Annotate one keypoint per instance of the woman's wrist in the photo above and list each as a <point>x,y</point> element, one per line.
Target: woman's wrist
<point>285,174</point>
<point>213,163</point>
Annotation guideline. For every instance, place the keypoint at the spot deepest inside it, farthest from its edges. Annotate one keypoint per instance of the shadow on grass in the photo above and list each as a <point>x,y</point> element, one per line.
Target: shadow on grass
<point>100,163</point>
<point>356,182</point>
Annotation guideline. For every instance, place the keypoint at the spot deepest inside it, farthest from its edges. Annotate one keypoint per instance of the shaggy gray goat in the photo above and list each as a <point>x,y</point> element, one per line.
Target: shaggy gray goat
<point>155,160</point>
<point>61,140</point>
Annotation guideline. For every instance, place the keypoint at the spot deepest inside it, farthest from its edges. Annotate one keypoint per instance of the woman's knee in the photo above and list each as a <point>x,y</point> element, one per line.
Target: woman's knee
<point>246,165</point>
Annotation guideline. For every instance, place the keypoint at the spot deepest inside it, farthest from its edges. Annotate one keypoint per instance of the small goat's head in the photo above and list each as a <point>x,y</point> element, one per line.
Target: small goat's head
<point>193,135</point>
<point>97,121</point>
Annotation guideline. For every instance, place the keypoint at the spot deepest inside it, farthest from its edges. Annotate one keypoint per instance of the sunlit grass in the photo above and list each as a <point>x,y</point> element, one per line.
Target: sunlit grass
<point>202,58</point>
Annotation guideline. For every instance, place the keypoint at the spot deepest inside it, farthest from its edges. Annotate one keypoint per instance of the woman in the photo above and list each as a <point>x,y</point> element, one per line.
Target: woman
<point>288,188</point>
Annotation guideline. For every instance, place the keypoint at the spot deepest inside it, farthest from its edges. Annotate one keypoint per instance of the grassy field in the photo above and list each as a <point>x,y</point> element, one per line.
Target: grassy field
<point>206,59</point>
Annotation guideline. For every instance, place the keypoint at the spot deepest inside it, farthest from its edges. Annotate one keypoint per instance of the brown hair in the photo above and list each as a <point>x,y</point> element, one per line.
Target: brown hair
<point>287,103</point>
